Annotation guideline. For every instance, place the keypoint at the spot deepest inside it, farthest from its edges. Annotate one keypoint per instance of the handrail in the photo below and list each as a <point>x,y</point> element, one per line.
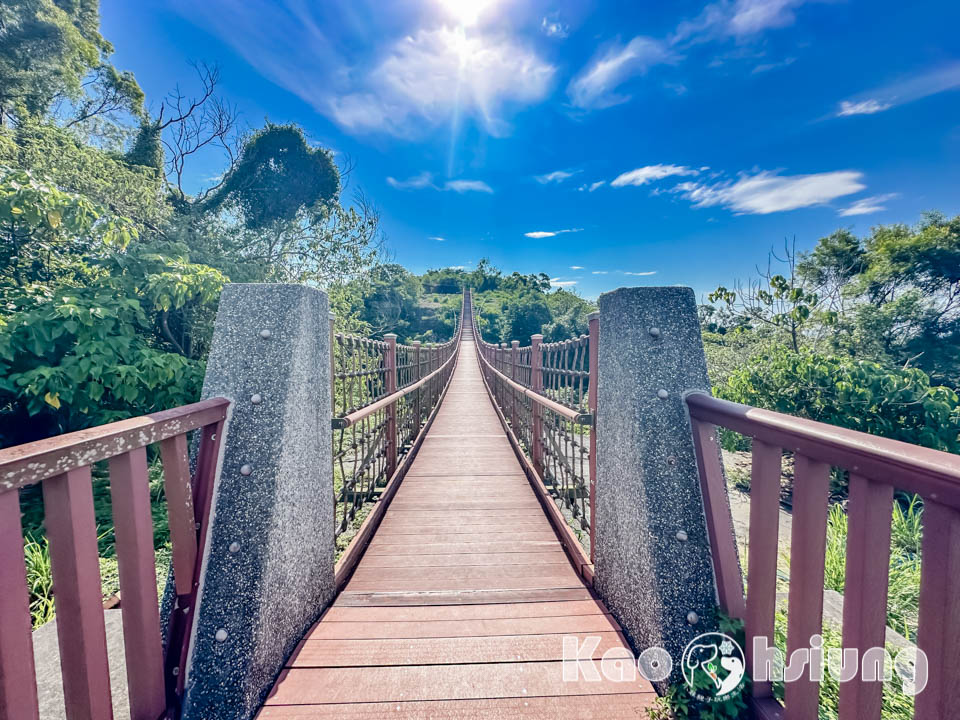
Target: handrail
<point>578,417</point>
<point>341,423</point>
<point>33,462</point>
<point>909,467</point>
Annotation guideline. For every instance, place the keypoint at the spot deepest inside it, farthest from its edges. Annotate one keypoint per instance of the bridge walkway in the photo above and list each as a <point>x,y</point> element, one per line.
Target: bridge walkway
<point>460,604</point>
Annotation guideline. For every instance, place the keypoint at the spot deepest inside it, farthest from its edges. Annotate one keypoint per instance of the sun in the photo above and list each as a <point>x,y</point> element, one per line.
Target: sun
<point>466,12</point>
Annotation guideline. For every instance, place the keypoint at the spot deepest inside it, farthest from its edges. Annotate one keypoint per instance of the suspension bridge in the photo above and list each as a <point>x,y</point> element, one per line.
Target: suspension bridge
<point>361,528</point>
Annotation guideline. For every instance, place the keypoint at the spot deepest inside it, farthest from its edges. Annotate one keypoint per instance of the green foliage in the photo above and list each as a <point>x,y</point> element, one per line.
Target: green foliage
<point>277,174</point>
<point>56,155</point>
<point>48,49</point>
<point>147,148</point>
<point>898,403</point>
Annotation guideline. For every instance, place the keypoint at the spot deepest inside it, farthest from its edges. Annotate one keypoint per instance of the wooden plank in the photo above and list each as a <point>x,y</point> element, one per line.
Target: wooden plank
<point>429,575</point>
<point>448,651</point>
<point>477,530</point>
<point>448,536</point>
<point>808,541</point>
<point>938,634</point>
<point>339,613</point>
<point>764,551</point>
<point>452,560</point>
<point>865,590</point>
<point>463,548</point>
<point>456,682</point>
<point>582,707</point>
<point>462,628</point>
<point>143,650</point>
<point>72,532</point>
<point>182,521</point>
<point>18,682</point>
<point>460,597</point>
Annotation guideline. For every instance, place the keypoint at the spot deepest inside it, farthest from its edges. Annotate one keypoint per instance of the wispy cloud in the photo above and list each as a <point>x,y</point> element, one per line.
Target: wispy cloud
<point>740,19</point>
<point>576,267</point>
<point>649,173</point>
<point>557,176</point>
<point>767,67</point>
<point>868,205</point>
<point>553,28</point>
<point>557,282</point>
<point>590,187</point>
<point>594,86</point>
<point>916,87</point>
<point>600,272</point>
<point>538,234</point>
<point>768,192</point>
<point>463,186</point>
<point>640,274</point>
<point>438,239</point>
<point>425,180</point>
<point>415,182</point>
<point>862,107</point>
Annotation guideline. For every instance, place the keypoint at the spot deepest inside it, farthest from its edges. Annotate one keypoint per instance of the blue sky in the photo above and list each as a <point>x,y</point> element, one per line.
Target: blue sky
<point>604,143</point>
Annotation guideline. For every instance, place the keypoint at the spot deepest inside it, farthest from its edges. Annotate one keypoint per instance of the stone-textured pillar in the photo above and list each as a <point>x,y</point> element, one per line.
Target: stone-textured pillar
<point>652,556</point>
<point>268,561</point>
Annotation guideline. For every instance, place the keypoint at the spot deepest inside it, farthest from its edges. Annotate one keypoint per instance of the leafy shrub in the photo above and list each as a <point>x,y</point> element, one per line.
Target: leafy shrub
<point>897,403</point>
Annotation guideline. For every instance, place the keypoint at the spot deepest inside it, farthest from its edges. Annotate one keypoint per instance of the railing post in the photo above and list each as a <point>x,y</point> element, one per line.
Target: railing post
<point>652,561</point>
<point>593,349</point>
<point>514,352</point>
<point>536,384</point>
<point>417,376</point>
<point>390,365</point>
<point>268,552</point>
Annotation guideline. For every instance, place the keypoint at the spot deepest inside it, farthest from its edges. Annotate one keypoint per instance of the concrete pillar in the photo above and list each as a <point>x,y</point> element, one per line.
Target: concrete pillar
<point>652,555</point>
<point>268,562</point>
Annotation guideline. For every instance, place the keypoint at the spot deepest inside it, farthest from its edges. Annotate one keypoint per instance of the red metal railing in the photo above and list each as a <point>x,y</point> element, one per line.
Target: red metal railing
<point>876,466</point>
<point>547,395</point>
<point>383,395</point>
<point>63,465</point>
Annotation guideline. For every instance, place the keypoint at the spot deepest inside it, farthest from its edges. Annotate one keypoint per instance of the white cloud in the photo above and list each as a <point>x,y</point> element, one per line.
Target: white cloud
<point>416,182</point>
<point>557,176</point>
<point>594,86</point>
<point>600,272</point>
<point>438,239</point>
<point>640,274</point>
<point>462,186</point>
<point>598,184</point>
<point>576,267</point>
<point>649,173</point>
<point>868,205</point>
<point>557,282</point>
<point>554,28</point>
<point>430,75</point>
<point>767,192</point>
<point>916,87</point>
<point>739,19</point>
<point>539,234</point>
<point>863,107</point>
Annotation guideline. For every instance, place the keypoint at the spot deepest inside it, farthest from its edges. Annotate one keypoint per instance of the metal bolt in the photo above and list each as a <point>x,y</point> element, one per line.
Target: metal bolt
<point>662,394</point>
<point>671,461</point>
<point>681,535</point>
<point>221,635</point>
<point>256,399</point>
<point>654,332</point>
<point>692,618</point>
<point>246,470</point>
<point>234,547</point>
<point>265,333</point>
<point>176,671</point>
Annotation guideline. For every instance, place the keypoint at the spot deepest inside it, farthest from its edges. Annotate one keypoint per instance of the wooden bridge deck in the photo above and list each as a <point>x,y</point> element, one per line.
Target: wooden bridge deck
<point>459,606</point>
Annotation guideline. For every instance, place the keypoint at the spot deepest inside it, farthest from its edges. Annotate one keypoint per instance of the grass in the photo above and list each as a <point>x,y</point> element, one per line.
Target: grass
<point>37,551</point>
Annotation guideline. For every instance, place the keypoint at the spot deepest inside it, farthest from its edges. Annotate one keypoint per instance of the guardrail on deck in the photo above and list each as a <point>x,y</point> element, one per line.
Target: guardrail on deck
<point>384,396</point>
<point>547,394</point>
<point>877,467</point>
<point>63,465</point>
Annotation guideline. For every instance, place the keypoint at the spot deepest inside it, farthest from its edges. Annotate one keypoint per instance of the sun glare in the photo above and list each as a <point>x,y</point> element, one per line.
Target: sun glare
<point>466,12</point>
